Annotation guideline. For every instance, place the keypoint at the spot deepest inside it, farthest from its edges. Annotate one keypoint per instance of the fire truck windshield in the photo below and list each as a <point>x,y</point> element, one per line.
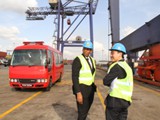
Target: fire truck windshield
<point>29,57</point>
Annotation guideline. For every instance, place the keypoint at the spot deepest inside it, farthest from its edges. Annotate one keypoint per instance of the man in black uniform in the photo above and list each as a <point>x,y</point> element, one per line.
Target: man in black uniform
<point>83,73</point>
<point>120,80</point>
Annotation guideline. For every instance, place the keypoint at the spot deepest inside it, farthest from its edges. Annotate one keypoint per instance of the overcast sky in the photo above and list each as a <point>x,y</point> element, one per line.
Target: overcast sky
<point>14,28</point>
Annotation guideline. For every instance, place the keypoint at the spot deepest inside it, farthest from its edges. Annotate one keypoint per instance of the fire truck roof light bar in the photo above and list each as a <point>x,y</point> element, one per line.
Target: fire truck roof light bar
<point>33,43</point>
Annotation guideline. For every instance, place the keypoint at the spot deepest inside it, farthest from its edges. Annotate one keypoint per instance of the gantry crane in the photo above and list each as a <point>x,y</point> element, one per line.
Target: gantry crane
<point>63,8</point>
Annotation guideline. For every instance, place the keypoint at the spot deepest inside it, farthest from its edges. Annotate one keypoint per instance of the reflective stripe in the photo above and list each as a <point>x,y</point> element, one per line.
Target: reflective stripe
<point>123,83</point>
<point>85,71</point>
<point>120,82</point>
<point>85,78</point>
<point>127,93</point>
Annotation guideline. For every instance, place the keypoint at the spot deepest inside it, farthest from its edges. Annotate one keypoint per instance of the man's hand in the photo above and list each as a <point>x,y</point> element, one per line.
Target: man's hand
<point>79,98</point>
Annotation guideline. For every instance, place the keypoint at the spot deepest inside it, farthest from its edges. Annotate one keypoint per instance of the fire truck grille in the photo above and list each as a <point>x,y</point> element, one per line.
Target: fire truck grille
<point>27,80</point>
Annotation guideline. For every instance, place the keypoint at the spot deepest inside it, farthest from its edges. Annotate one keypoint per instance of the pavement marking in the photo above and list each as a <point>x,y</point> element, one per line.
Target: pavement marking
<point>20,104</point>
<point>147,89</point>
<point>101,98</point>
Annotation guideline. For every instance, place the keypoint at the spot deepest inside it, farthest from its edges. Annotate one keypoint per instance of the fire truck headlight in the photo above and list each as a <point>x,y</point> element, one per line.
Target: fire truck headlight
<point>42,80</point>
<point>38,80</point>
<point>14,80</point>
<point>11,80</point>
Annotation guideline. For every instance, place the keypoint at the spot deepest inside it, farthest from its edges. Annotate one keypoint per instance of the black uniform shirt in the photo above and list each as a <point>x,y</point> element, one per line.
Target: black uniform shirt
<point>116,72</point>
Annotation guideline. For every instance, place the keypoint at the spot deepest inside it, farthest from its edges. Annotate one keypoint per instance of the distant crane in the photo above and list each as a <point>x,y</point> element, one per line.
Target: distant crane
<point>63,8</point>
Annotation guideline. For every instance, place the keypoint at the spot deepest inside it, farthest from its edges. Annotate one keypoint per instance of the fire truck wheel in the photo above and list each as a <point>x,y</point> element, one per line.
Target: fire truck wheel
<point>60,78</point>
<point>49,85</point>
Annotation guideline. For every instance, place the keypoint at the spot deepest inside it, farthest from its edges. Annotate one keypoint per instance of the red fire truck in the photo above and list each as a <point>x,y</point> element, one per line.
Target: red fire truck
<point>35,65</point>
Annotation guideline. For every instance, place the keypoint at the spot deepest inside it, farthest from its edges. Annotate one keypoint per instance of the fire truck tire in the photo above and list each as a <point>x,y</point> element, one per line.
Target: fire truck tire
<point>49,85</point>
<point>60,78</point>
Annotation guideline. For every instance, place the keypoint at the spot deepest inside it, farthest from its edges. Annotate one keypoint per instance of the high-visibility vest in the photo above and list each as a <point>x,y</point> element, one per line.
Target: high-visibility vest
<point>85,75</point>
<point>122,88</point>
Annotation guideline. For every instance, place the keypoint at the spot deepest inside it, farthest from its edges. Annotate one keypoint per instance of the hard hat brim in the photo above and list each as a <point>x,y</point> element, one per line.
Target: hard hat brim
<point>88,48</point>
<point>117,50</point>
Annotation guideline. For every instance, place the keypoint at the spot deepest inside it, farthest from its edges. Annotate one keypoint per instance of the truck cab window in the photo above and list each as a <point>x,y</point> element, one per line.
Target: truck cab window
<point>28,57</point>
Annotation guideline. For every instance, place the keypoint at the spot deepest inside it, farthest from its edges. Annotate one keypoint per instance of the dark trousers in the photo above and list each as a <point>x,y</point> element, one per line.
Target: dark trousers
<point>84,108</point>
<point>116,113</point>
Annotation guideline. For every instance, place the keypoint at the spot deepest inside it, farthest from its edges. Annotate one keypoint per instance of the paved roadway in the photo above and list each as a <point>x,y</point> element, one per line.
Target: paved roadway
<point>59,103</point>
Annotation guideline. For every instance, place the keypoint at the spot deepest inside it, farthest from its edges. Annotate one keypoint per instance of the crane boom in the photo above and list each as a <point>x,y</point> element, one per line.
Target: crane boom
<point>40,13</point>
